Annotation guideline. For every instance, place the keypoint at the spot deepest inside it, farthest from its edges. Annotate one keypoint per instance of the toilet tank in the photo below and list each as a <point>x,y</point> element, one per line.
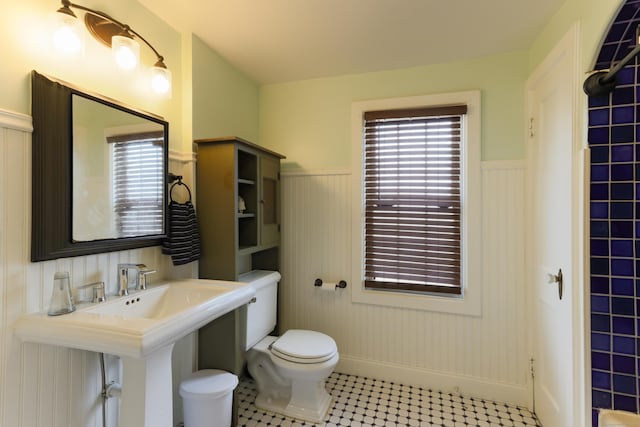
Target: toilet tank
<point>261,314</point>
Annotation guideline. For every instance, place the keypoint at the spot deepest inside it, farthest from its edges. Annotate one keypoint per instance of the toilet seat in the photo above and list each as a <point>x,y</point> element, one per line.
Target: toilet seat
<point>304,347</point>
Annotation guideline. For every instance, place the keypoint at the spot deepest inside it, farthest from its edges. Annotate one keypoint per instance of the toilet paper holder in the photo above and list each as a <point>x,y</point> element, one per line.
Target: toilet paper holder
<point>341,284</point>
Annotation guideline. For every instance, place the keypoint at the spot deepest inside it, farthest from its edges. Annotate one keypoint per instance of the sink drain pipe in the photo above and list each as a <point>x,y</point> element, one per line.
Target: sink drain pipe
<point>104,391</point>
<point>113,389</point>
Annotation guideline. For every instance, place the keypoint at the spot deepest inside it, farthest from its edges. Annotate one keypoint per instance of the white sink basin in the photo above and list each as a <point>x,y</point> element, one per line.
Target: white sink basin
<point>139,323</point>
<point>141,328</point>
<point>158,302</point>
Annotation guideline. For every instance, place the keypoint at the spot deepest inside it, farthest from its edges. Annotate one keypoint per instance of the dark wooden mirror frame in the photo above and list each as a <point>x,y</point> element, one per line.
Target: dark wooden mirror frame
<point>52,174</point>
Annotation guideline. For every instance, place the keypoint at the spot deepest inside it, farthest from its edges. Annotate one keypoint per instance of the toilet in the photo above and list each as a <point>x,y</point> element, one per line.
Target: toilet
<point>289,370</point>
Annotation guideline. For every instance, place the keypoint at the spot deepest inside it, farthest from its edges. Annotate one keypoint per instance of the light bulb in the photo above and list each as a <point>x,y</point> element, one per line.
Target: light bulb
<point>67,37</point>
<point>126,51</point>
<point>161,80</point>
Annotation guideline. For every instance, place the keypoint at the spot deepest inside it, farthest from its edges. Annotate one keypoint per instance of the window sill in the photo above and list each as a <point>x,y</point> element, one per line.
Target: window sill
<point>467,305</point>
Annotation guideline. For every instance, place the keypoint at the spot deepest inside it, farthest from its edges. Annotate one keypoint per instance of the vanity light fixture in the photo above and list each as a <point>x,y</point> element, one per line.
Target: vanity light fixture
<point>126,51</point>
<point>67,36</point>
<point>121,38</point>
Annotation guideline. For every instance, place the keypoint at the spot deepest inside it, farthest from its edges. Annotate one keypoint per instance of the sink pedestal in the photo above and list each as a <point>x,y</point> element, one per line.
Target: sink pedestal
<point>147,393</point>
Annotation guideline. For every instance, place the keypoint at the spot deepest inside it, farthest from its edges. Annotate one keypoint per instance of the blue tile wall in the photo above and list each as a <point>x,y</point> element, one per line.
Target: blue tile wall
<point>614,139</point>
<point>621,35</point>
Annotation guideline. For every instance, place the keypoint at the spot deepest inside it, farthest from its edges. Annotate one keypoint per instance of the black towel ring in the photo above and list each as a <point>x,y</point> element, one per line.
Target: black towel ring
<point>178,179</point>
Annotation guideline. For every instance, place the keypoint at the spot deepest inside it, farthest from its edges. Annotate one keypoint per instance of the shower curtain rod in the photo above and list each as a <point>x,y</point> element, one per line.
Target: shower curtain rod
<point>602,83</point>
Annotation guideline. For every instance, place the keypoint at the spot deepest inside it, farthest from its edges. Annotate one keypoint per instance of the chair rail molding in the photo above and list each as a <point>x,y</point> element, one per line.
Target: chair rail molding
<point>182,156</point>
<point>16,121</point>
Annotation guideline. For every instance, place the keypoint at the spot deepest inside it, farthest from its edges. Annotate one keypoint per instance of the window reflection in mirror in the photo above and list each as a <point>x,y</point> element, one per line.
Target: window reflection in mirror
<point>117,162</point>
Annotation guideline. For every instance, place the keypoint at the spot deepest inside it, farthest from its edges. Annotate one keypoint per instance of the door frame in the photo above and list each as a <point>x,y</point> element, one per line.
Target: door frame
<point>568,45</point>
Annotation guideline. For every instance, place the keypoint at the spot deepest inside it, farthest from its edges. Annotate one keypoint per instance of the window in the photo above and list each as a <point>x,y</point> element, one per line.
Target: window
<point>412,199</point>
<point>417,205</point>
<point>138,195</point>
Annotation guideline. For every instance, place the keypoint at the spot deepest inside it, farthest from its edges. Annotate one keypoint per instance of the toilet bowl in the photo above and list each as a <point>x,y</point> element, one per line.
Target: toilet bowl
<point>289,370</point>
<point>292,382</point>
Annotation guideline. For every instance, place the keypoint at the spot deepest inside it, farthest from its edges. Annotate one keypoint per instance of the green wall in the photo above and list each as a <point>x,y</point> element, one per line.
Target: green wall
<point>26,28</point>
<point>209,97</point>
<point>225,102</point>
<point>309,121</point>
<point>594,17</point>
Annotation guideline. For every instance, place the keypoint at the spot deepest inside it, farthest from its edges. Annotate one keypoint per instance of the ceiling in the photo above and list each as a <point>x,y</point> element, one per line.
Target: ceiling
<point>275,41</point>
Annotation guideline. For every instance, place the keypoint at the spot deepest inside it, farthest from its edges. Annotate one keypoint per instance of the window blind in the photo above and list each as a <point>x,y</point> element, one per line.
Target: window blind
<point>138,193</point>
<point>412,161</point>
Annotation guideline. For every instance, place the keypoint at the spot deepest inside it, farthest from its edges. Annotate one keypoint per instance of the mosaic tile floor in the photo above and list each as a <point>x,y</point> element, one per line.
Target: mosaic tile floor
<point>360,402</point>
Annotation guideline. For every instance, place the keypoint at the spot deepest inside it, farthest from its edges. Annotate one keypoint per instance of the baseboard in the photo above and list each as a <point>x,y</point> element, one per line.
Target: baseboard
<point>442,381</point>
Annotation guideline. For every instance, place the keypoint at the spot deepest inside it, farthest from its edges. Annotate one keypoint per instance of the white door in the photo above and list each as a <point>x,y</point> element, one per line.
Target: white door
<point>553,215</point>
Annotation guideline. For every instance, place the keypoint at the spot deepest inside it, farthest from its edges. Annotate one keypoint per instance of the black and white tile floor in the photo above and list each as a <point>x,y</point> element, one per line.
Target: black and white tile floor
<point>363,402</point>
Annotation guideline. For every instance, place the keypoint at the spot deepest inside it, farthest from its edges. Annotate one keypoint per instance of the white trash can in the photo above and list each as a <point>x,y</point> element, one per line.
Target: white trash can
<point>207,398</point>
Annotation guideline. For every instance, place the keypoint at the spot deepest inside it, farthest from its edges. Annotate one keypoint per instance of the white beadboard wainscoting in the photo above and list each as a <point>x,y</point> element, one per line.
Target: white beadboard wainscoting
<point>42,385</point>
<point>483,356</point>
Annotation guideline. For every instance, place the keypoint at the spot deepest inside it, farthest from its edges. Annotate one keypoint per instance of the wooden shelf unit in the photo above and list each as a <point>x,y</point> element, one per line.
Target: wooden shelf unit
<point>234,241</point>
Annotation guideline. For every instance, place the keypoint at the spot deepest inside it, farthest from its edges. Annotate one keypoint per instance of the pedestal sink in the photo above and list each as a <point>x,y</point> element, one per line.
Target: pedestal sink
<point>141,328</point>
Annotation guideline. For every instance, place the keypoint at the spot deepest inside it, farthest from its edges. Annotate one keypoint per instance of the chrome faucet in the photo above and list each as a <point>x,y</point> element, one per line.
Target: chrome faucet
<point>141,277</point>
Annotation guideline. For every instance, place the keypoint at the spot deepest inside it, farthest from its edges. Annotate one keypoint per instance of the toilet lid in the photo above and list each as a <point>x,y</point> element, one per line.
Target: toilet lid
<point>301,346</point>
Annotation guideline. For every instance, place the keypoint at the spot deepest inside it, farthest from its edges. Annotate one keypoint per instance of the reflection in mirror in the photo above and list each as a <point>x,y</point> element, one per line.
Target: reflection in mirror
<point>117,173</point>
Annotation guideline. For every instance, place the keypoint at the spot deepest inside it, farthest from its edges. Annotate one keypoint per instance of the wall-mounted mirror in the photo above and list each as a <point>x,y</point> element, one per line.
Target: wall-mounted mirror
<point>99,173</point>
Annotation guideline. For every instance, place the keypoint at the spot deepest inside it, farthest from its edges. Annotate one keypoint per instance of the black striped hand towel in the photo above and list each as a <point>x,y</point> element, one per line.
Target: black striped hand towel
<point>183,243</point>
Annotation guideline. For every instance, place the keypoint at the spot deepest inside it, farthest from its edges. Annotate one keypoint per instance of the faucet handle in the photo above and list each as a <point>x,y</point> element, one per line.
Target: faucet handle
<point>97,291</point>
<point>142,276</point>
